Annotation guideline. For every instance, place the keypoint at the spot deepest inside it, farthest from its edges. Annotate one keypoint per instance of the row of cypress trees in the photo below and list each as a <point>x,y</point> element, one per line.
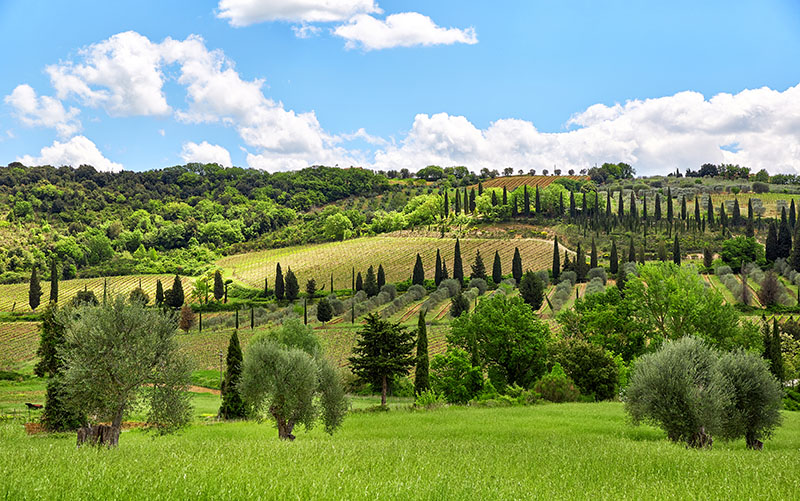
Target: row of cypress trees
<point>478,267</point>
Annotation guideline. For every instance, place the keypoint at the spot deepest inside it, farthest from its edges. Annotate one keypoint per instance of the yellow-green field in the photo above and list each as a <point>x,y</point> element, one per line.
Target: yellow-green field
<point>397,254</point>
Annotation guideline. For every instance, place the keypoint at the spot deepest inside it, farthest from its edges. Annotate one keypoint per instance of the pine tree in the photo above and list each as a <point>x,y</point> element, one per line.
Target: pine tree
<point>280,290</point>
<point>34,290</point>
<point>556,269</point>
<point>784,247</point>
<point>676,251</point>
<point>631,252</point>
<point>371,283</point>
<point>219,286</point>
<point>418,277</point>
<point>537,201</point>
<point>458,268</point>
<point>421,376</point>
<point>359,282</point>
<point>531,288</point>
<point>292,287</point>
<point>478,268</point>
<point>53,279</point>
<point>159,293</point>
<point>669,204</point>
<point>175,298</point>
<point>381,278</point>
<point>771,247</point>
<point>324,311</point>
<point>497,269</point>
<point>613,258</point>
<point>516,265</point>
<point>437,270</point>
<point>593,256</point>
<point>233,406</point>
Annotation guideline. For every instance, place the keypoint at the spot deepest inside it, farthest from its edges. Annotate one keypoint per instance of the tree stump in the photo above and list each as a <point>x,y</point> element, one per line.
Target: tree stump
<point>99,434</point>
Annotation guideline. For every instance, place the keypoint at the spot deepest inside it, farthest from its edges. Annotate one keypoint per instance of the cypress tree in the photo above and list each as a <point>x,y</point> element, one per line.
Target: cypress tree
<point>280,287</point>
<point>233,406</point>
<point>176,297</point>
<point>772,349</point>
<point>219,286</point>
<point>634,212</point>
<point>353,280</point>
<point>784,239</point>
<point>676,251</point>
<point>359,282</point>
<point>641,254</point>
<point>446,204</point>
<point>516,265</point>
<point>657,208</point>
<point>305,313</point>
<point>54,279</point>
<point>466,201</point>
<point>494,199</point>
<point>371,283</point>
<point>458,202</point>
<point>34,290</point>
<point>458,268</point>
<point>497,269</point>
<point>538,203</point>
<point>620,205</point>
<point>567,266</point>
<point>292,287</point>
<point>381,278</point>
<point>478,268</point>
<point>750,209</point>
<point>697,211</point>
<point>266,287</point>
<point>580,264</point>
<point>324,311</point>
<point>445,275</point>
<point>58,414</point>
<point>556,269</point>
<point>662,251</point>
<point>437,270</point>
<point>669,204</point>
<point>794,258</point>
<point>723,218</point>
<point>583,205</point>
<point>644,207</point>
<point>771,250</point>
<point>472,202</point>
<point>159,293</point>
<point>531,288</point>
<point>380,269</point>
<point>737,215</point>
<point>708,258</point>
<point>513,206</point>
<point>750,230</point>
<point>613,258</point>
<point>710,212</point>
<point>631,252</point>
<point>593,256</point>
<point>608,205</point>
<point>526,201</point>
<point>572,205</point>
<point>505,196</point>
<point>683,208</point>
<point>480,188</point>
<point>418,277</point>
<point>561,204</point>
<point>421,377</point>
<point>792,216</point>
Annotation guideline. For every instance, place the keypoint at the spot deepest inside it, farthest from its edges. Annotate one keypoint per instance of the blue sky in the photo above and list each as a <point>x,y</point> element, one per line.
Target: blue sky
<point>283,84</point>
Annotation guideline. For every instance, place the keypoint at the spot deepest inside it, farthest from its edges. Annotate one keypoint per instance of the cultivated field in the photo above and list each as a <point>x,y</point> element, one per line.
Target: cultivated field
<point>397,254</point>
<point>15,296</point>
<point>18,343</point>
<point>514,182</point>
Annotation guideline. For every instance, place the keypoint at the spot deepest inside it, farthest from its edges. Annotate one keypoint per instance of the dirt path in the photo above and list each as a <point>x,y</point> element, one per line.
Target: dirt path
<point>410,312</point>
<point>444,311</point>
<point>203,389</point>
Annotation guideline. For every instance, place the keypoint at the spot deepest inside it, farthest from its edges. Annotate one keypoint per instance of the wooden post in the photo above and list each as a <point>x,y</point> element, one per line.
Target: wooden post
<point>252,319</point>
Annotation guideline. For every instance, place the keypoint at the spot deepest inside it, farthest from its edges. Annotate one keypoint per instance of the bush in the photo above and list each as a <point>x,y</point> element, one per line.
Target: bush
<point>451,285</point>
<point>723,270</point>
<point>597,273</point>
<point>557,386</point>
<point>595,286</point>
<point>571,276</point>
<point>591,367</point>
<point>391,290</point>
<point>760,188</point>
<point>453,376</point>
<point>429,399</point>
<point>562,294</point>
<point>478,283</point>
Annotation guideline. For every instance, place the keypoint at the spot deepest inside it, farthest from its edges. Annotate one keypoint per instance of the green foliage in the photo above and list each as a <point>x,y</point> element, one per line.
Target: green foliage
<point>478,268</point>
<point>233,406</point>
<point>174,297</point>
<point>506,337</point>
<point>338,227</point>
<point>292,287</point>
<point>531,288</point>
<point>516,265</point>
<point>279,282</point>
<point>556,386</point>
<point>371,283</point>
<point>421,373</point>
<point>454,377</point>
<point>740,250</point>
<point>428,399</point>
<point>219,285</point>
<point>34,290</point>
<point>497,269</point>
<point>591,367</point>
<point>458,268</point>
<point>139,295</point>
<point>159,293</point>
<point>324,311</point>
<point>458,304</point>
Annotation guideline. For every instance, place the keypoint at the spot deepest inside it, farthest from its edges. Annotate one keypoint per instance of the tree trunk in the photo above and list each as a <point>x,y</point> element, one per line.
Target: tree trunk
<point>753,442</point>
<point>701,439</point>
<point>99,434</point>
<point>383,391</point>
<point>285,429</point>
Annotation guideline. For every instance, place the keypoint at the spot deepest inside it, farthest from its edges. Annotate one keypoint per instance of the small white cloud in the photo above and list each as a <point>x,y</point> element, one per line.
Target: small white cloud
<point>407,29</point>
<point>162,132</point>
<point>364,135</point>
<point>76,152</point>
<point>306,30</point>
<point>44,111</point>
<point>206,153</point>
<point>247,12</point>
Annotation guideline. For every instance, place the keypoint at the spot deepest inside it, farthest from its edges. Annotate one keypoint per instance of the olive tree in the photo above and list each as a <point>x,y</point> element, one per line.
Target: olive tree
<point>285,376</point>
<point>121,356</point>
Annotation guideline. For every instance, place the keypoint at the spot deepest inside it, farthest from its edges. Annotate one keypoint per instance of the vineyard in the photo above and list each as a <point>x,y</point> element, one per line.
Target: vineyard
<point>19,341</point>
<point>396,254</point>
<point>513,182</point>
<point>15,296</point>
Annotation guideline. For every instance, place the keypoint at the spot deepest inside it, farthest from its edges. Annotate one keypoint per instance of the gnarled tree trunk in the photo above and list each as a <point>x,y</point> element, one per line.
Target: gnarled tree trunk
<point>99,434</point>
<point>753,442</point>
<point>285,429</point>
<point>701,439</point>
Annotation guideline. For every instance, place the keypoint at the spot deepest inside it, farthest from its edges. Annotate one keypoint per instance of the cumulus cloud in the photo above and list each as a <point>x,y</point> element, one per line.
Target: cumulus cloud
<point>77,151</point>
<point>247,12</point>
<point>407,29</point>
<point>44,111</point>
<point>206,153</point>
<point>655,135</point>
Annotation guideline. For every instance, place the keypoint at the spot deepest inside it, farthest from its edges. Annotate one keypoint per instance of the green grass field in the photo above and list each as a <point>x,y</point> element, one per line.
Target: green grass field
<point>564,451</point>
<point>397,254</point>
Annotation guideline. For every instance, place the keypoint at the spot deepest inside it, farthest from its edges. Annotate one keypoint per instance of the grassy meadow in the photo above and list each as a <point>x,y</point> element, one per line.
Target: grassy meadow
<point>552,451</point>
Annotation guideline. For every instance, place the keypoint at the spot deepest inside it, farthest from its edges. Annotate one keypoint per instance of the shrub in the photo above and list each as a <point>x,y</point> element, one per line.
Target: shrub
<point>591,367</point>
<point>478,283</point>
<point>453,376</point>
<point>597,273</point>
<point>429,399</point>
<point>390,290</point>
<point>451,285</point>
<point>595,286</point>
<point>557,386</point>
<point>760,188</point>
<point>571,276</point>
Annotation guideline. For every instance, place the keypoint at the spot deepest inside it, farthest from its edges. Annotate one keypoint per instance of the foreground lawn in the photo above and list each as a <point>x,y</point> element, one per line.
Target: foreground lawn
<point>546,451</point>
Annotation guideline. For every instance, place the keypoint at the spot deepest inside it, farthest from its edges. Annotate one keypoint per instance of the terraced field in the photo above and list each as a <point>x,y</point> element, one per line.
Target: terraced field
<point>15,296</point>
<point>397,254</point>
<point>18,343</point>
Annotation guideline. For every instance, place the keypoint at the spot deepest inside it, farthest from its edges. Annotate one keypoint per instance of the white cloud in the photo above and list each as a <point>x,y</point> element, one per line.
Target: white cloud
<point>162,132</point>
<point>654,135</point>
<point>306,30</point>
<point>121,74</point>
<point>206,153</point>
<point>44,111</point>
<point>77,151</point>
<point>407,29</point>
<point>246,12</point>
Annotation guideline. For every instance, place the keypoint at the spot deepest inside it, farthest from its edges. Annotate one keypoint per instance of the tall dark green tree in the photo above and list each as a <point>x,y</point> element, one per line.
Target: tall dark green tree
<point>670,214</point>
<point>505,195</point>
<point>771,247</point>
<point>531,288</point>
<point>381,278</point>
<point>784,247</point>
<point>772,349</point>
<point>792,215</point>
<point>613,258</point>
<point>657,208</point>
<point>175,297</point>
<point>497,269</point>
<point>516,265</point>
<point>737,214</point>
<point>359,282</point>
<point>159,293</point>
<point>472,200</point>
<point>418,277</point>
<point>632,252</point>
<point>478,268</point>
<point>371,283</point>
<point>537,201</point>
<point>34,290</point>
<point>683,208</point>
<point>324,311</point>
<point>446,204</point>
<point>620,206</point>
<point>710,212</point>
<point>572,211</point>
<point>676,251</point>
<point>50,340</point>
<point>556,269</point>
<point>608,205</point>
<point>697,211</point>
<point>437,270</point>
<point>280,286</point>
<point>526,200</point>
<point>383,351</point>
<point>560,204</point>
<point>580,263</point>
<point>53,279</point>
<point>794,257</point>
<point>219,286</point>
<point>593,256</point>
<point>494,199</point>
<point>292,287</point>
<point>458,267</point>
<point>421,374</point>
<point>233,406</point>
<point>458,202</point>
<point>750,209</point>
